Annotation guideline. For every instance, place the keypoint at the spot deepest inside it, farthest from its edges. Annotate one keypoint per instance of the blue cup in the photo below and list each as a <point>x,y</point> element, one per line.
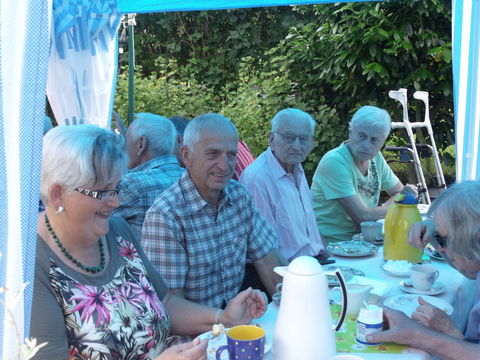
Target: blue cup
<point>244,342</point>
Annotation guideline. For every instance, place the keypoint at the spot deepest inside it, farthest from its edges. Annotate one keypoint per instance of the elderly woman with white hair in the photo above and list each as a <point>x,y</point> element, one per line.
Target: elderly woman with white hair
<point>96,296</point>
<point>348,180</point>
<point>454,230</point>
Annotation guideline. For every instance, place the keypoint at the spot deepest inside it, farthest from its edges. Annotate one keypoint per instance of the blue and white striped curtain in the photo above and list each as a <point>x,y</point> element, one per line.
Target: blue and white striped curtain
<point>466,83</point>
<point>24,46</point>
<point>83,61</point>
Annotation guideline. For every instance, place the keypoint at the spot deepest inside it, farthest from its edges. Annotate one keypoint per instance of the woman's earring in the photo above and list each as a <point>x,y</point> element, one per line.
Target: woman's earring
<point>59,210</point>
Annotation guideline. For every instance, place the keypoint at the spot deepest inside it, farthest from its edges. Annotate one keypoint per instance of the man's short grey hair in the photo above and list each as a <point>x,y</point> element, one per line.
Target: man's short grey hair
<point>460,207</point>
<point>195,126</point>
<point>180,123</point>
<point>292,113</point>
<point>81,156</point>
<point>157,130</point>
<point>371,116</point>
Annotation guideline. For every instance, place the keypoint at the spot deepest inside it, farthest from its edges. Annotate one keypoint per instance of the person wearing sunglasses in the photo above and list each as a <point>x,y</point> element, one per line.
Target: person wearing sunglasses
<point>454,230</point>
<point>96,295</point>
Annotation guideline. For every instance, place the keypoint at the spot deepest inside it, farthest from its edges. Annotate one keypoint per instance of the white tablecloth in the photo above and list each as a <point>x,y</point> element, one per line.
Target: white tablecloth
<point>371,267</point>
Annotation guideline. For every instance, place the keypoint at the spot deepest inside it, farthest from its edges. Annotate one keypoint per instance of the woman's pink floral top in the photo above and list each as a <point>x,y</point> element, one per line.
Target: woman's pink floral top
<point>122,319</point>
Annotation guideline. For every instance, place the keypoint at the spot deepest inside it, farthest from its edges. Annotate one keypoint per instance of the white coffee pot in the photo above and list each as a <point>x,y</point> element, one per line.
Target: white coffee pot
<point>304,325</point>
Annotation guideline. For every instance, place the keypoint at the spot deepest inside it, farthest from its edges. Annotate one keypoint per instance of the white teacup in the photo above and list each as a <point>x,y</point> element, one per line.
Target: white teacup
<point>423,276</point>
<point>371,230</point>
<point>357,294</point>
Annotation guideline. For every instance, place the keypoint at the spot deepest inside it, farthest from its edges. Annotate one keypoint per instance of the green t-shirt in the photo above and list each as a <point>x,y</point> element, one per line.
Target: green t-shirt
<point>337,177</point>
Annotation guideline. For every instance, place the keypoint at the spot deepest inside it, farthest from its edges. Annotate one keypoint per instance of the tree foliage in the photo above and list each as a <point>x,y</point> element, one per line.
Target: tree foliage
<point>325,59</point>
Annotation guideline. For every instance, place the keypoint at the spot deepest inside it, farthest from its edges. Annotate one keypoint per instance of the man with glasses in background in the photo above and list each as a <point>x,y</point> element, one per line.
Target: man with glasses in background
<point>280,192</point>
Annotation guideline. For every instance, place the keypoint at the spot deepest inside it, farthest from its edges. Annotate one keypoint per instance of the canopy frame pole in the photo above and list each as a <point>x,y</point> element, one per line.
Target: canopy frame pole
<point>131,67</point>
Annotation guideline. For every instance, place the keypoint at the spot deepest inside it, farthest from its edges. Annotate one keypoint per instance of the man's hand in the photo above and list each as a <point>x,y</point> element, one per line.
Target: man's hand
<point>410,189</point>
<point>399,328</point>
<point>435,319</point>
<point>247,305</point>
<point>194,350</point>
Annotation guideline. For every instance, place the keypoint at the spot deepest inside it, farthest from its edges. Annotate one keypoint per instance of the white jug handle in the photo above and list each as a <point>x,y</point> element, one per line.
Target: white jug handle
<point>281,270</point>
<point>341,280</point>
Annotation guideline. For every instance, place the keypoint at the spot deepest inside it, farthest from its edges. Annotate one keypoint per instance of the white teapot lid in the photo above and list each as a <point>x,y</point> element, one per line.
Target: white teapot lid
<point>305,265</point>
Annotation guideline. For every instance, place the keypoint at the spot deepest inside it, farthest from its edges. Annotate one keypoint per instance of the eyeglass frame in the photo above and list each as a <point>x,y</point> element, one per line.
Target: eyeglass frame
<point>307,138</point>
<point>440,240</point>
<point>98,194</point>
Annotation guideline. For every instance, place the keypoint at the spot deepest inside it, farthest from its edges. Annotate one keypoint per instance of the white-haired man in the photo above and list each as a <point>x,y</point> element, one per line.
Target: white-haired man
<point>277,183</point>
<point>348,180</point>
<point>153,167</point>
<point>199,232</point>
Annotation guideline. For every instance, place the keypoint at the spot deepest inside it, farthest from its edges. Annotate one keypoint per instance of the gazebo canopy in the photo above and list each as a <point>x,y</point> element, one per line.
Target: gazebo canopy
<point>25,55</point>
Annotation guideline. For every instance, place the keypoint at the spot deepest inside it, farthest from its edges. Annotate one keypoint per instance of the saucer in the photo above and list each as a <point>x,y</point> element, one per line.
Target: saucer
<point>359,237</point>
<point>436,289</point>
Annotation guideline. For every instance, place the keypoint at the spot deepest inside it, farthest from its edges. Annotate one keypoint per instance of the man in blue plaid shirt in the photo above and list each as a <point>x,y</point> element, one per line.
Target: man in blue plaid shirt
<point>153,167</point>
<point>199,232</point>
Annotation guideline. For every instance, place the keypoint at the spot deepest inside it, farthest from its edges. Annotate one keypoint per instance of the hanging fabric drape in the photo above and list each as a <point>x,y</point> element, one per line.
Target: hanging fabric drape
<point>82,63</point>
<point>24,46</point>
<point>466,82</point>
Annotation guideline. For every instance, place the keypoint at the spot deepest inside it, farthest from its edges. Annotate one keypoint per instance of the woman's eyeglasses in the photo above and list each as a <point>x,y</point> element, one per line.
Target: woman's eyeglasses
<point>99,194</point>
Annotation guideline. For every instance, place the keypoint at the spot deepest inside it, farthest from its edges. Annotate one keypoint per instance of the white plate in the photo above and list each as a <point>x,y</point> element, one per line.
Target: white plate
<point>409,303</point>
<point>215,342</point>
<point>352,248</point>
<point>347,273</point>
<point>437,288</point>
<point>405,273</point>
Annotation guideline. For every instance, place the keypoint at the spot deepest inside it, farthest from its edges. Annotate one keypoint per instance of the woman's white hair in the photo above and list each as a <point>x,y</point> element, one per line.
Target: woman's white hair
<point>459,206</point>
<point>371,116</point>
<point>81,156</point>
<point>195,126</point>
<point>292,113</point>
<point>158,130</point>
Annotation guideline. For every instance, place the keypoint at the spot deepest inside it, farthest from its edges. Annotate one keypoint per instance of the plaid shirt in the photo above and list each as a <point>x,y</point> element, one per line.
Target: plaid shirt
<point>141,186</point>
<point>203,249</point>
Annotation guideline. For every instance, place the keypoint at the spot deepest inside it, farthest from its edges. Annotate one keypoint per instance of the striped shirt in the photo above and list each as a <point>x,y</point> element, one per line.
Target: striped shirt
<point>244,158</point>
<point>201,248</point>
<point>141,186</point>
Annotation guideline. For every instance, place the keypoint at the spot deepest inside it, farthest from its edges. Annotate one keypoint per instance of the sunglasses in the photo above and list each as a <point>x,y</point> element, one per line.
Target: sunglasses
<point>99,194</point>
<point>441,240</point>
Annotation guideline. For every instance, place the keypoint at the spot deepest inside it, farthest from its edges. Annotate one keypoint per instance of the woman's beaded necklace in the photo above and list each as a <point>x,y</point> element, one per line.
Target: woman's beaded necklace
<point>92,269</point>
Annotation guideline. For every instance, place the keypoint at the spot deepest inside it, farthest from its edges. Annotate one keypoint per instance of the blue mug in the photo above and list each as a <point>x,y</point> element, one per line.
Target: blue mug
<point>244,342</point>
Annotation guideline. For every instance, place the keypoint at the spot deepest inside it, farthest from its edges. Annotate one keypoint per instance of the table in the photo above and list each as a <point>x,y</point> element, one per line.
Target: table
<point>452,279</point>
<point>370,265</point>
